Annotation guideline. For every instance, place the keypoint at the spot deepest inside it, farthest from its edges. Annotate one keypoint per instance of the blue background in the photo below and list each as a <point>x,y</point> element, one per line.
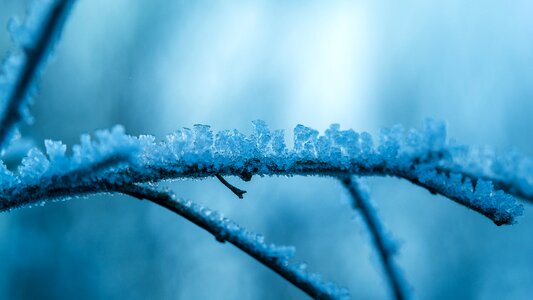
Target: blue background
<point>156,66</point>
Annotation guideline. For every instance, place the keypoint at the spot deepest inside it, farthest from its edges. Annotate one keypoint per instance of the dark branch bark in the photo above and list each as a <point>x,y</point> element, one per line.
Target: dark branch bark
<point>240,193</point>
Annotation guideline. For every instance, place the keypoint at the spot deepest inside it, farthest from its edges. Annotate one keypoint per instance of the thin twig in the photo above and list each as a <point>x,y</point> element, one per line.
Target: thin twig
<point>36,55</point>
<point>273,257</point>
<point>231,187</point>
<point>361,202</point>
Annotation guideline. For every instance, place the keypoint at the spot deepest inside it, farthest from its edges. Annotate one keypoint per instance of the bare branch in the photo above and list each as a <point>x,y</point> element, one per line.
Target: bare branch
<point>231,187</point>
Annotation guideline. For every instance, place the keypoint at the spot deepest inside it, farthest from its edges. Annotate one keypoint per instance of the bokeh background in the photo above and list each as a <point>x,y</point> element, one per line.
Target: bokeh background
<point>155,66</point>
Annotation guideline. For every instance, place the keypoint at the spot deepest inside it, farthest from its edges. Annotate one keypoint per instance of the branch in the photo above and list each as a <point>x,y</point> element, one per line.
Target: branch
<point>36,38</point>
<point>188,153</point>
<point>413,155</point>
<point>42,178</point>
<point>383,244</point>
<point>274,257</point>
<point>509,171</point>
<point>240,193</point>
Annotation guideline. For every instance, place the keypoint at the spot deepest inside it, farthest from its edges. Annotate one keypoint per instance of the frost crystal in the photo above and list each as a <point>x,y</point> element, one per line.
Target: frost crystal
<point>278,143</point>
<point>305,139</point>
<point>261,134</point>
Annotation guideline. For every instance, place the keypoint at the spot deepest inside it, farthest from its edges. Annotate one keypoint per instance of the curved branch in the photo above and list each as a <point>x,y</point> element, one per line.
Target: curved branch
<point>274,257</point>
<point>501,208</point>
<point>195,154</point>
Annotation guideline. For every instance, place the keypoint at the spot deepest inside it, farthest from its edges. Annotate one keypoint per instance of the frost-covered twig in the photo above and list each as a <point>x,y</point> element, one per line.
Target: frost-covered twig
<point>21,69</point>
<point>274,257</point>
<point>509,171</point>
<point>413,155</point>
<point>384,246</point>
<point>197,153</point>
<point>55,175</point>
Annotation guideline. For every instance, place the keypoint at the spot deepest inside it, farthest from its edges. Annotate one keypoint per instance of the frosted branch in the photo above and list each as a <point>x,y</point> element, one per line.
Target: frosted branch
<point>384,245</point>
<point>56,175</point>
<point>21,69</point>
<point>412,155</point>
<point>416,156</point>
<point>274,257</point>
<point>509,171</point>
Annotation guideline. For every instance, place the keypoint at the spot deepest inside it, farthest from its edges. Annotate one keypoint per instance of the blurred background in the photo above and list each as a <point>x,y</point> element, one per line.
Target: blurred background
<point>156,66</point>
